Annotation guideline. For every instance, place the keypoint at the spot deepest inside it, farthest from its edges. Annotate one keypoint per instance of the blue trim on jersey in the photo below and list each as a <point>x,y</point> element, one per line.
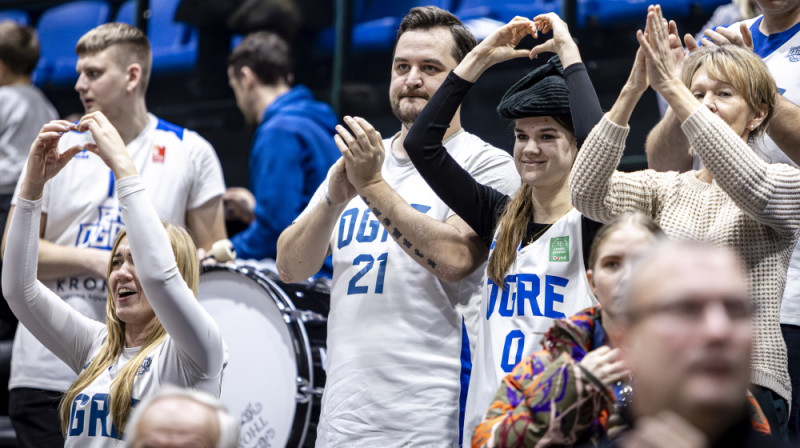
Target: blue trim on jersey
<point>764,45</point>
<point>421,208</point>
<point>466,370</point>
<point>169,127</point>
<point>111,184</point>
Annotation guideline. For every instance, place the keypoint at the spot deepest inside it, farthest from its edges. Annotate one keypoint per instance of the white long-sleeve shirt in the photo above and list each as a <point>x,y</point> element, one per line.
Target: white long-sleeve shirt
<point>192,355</point>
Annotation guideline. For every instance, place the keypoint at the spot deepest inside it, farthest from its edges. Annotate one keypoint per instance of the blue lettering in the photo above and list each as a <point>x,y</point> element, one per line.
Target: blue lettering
<point>352,287</point>
<point>345,239</point>
<point>381,272</point>
<point>101,234</point>
<point>421,208</point>
<point>551,296</point>
<point>374,227</point>
<point>77,415</point>
<point>98,412</point>
<point>514,336</point>
<point>492,298</point>
<point>506,308</point>
<point>527,291</point>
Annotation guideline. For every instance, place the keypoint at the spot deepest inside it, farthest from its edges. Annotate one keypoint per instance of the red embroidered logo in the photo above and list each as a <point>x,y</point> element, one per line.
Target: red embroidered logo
<point>158,153</point>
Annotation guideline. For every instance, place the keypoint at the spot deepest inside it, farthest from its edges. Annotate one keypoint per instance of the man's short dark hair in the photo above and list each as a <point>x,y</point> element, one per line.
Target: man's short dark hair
<point>19,47</point>
<point>427,17</point>
<point>267,55</point>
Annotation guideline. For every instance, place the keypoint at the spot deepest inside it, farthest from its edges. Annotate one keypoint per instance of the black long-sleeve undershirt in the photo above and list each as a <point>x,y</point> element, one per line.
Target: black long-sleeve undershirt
<point>478,205</point>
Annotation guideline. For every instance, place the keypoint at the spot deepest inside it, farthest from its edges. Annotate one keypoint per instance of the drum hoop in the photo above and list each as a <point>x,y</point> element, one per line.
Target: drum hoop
<point>305,365</point>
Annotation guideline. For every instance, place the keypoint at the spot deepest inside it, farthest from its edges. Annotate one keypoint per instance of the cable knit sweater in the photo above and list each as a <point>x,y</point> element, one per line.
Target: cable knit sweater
<point>750,206</point>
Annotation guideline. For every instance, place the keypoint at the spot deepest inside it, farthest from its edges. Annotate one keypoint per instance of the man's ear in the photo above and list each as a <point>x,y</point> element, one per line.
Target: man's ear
<point>249,78</point>
<point>134,74</point>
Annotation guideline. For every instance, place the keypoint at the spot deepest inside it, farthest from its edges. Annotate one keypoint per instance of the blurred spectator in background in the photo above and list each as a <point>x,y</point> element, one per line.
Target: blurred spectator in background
<point>291,151</point>
<point>733,12</point>
<point>218,20</point>
<point>690,387</point>
<point>179,418</point>
<point>23,111</point>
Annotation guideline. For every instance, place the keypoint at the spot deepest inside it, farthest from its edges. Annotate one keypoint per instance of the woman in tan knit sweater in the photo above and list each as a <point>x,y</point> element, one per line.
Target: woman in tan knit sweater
<point>723,96</point>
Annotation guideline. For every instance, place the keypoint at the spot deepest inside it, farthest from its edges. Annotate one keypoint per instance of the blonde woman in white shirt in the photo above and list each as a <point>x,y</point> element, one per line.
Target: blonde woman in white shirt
<point>156,331</point>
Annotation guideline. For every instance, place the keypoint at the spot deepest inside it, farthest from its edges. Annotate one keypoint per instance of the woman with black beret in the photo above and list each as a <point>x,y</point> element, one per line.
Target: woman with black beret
<point>538,242</point>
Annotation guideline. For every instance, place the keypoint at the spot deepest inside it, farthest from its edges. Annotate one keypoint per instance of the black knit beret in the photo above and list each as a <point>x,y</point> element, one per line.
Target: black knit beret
<point>542,92</point>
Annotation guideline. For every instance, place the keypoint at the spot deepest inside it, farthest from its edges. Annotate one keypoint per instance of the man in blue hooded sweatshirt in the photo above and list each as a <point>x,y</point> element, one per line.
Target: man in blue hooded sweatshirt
<point>292,149</point>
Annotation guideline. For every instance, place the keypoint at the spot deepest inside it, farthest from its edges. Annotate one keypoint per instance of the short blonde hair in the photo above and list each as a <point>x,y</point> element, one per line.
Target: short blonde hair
<point>133,42</point>
<point>740,68</point>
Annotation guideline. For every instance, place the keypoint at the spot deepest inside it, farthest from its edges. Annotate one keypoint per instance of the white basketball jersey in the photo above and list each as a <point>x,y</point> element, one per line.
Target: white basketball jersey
<point>546,282</point>
<point>394,329</point>
<point>90,424</point>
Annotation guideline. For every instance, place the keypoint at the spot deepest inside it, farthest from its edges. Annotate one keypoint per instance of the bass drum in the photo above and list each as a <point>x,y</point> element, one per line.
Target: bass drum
<point>275,335</point>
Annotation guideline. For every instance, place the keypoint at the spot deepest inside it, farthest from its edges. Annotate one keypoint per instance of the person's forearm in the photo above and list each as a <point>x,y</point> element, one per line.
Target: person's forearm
<point>621,111</point>
<point>473,65</point>
<point>591,176</point>
<point>207,223</point>
<point>666,147</point>
<point>56,261</point>
<point>53,322</point>
<point>583,103</point>
<point>185,320</point>
<point>441,248</point>
<point>455,186</point>
<point>783,128</point>
<point>303,246</point>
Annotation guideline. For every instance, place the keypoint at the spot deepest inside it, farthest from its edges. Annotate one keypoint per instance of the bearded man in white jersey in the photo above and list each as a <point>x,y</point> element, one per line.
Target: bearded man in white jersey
<point>404,265</point>
<point>81,215</point>
<point>775,37</point>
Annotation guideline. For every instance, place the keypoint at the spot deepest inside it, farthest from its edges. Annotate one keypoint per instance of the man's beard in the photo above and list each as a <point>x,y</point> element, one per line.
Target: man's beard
<point>408,115</point>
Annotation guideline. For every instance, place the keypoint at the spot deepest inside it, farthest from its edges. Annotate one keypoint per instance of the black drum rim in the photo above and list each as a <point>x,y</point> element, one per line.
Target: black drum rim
<point>302,345</point>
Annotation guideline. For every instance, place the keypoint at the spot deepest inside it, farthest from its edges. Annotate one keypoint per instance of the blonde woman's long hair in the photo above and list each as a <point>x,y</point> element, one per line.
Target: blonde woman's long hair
<point>122,386</point>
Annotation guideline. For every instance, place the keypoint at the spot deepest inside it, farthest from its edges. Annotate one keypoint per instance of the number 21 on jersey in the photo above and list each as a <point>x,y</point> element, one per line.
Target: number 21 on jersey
<point>357,284</point>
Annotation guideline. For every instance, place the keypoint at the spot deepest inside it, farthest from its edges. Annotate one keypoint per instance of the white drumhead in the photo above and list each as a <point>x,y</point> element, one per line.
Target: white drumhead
<point>259,383</point>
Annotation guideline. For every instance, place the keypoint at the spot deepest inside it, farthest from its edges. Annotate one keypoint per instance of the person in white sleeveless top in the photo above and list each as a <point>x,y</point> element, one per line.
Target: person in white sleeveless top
<point>775,37</point>
<point>156,332</point>
<point>401,283</point>
<point>538,243</point>
<point>567,393</point>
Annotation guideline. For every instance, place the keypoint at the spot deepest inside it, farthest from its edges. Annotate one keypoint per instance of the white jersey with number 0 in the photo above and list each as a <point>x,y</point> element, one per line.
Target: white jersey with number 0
<point>547,281</point>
